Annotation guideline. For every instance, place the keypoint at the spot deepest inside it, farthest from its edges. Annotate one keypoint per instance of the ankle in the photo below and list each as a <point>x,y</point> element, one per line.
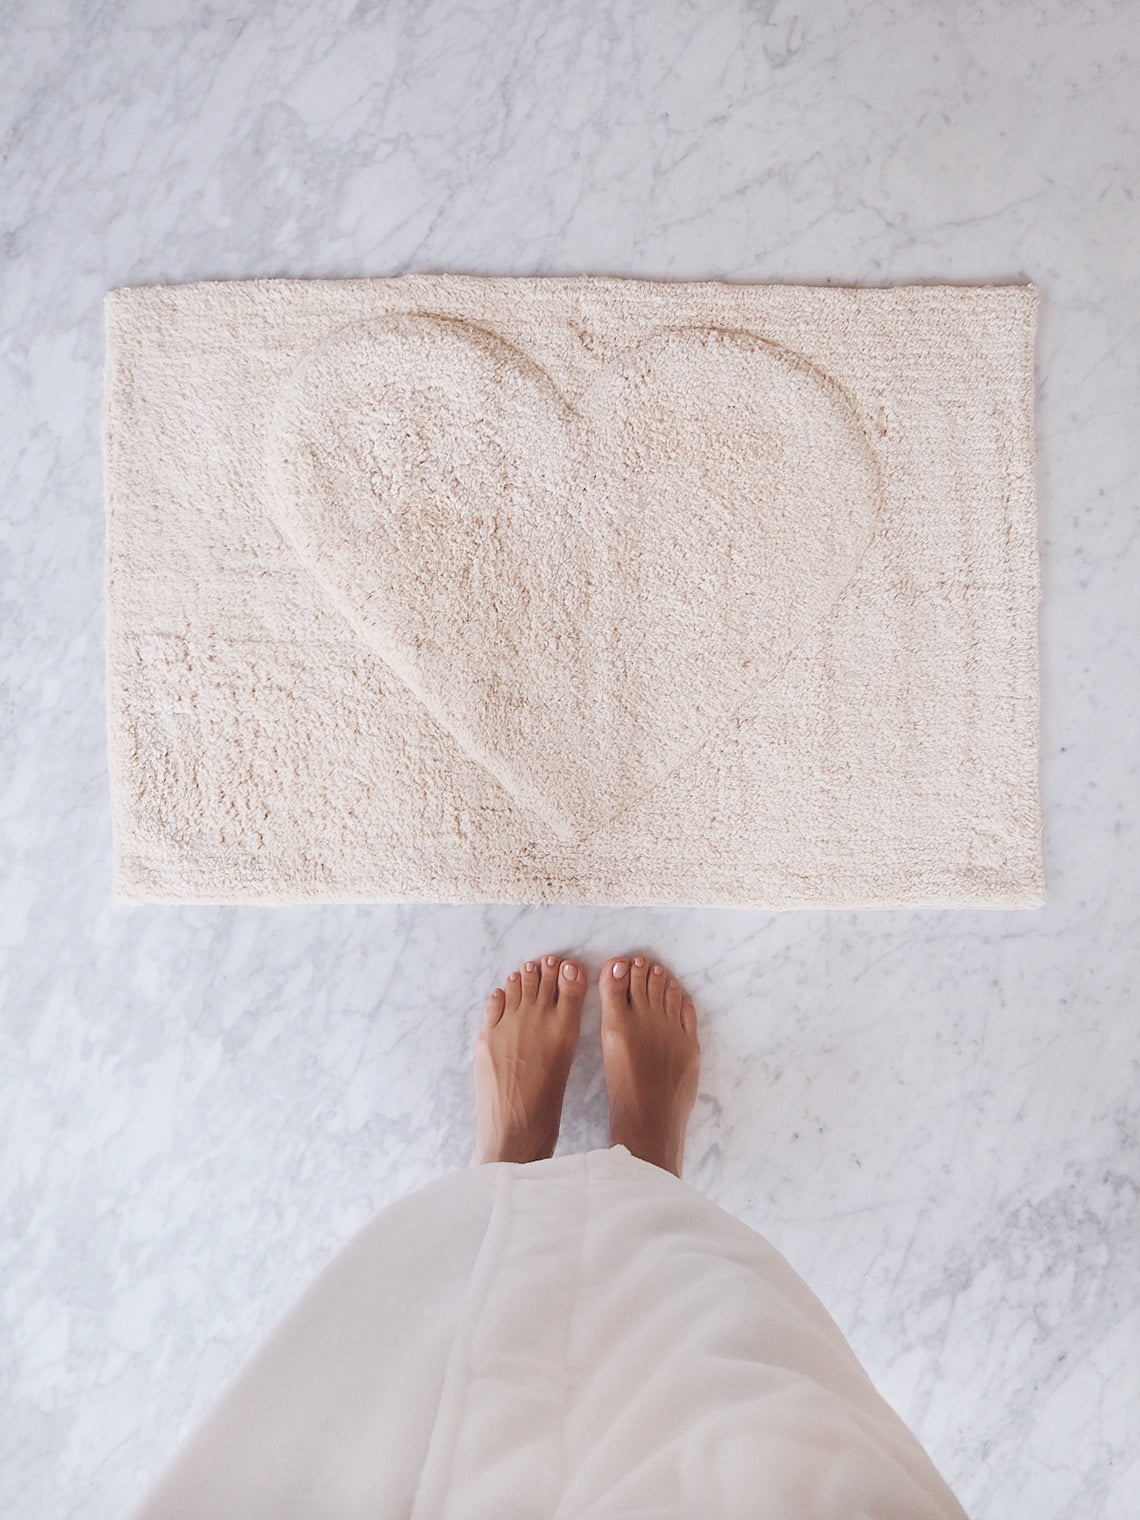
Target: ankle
<point>518,1147</point>
<point>656,1149</point>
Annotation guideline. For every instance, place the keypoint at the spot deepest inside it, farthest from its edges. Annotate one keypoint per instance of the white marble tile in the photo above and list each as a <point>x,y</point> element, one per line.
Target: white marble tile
<point>934,1115</point>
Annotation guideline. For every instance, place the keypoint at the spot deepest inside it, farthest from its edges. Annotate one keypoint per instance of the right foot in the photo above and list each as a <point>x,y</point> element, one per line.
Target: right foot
<point>652,1059</point>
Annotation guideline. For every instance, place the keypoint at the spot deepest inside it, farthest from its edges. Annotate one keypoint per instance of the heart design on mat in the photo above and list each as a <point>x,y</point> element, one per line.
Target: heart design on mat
<point>581,581</point>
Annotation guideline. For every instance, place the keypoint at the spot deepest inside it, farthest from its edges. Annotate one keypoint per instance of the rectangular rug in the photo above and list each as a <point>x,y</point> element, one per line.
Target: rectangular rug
<point>458,589</point>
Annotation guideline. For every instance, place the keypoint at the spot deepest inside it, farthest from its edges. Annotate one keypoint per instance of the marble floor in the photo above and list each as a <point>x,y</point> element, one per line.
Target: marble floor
<point>934,1115</point>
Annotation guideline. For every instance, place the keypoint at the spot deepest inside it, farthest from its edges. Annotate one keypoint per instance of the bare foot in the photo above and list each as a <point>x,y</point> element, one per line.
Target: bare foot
<point>523,1058</point>
<point>651,1057</point>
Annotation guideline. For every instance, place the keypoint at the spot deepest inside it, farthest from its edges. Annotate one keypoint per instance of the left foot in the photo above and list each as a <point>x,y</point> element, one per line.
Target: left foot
<point>522,1060</point>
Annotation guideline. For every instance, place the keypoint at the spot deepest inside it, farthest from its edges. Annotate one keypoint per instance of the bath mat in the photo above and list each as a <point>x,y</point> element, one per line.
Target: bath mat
<point>443,588</point>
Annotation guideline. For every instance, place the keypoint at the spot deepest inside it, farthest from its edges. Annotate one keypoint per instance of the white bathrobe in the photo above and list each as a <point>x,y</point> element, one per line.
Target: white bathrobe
<point>585,1338</point>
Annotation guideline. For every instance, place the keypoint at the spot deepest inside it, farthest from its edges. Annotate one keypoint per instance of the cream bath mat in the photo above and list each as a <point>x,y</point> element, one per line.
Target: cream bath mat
<point>578,590</point>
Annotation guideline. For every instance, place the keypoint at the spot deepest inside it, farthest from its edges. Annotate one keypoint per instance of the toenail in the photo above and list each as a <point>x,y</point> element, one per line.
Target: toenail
<point>552,960</point>
<point>569,971</point>
<point>620,969</point>
<point>673,985</point>
<point>639,960</point>
<point>514,976</point>
<point>530,966</point>
<point>658,970</point>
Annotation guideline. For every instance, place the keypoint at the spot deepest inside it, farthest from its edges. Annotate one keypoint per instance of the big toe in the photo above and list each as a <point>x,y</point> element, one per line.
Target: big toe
<point>613,985</point>
<point>571,985</point>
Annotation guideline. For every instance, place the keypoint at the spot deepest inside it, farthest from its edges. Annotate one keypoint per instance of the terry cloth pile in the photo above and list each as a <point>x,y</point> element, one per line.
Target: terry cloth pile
<point>575,590</point>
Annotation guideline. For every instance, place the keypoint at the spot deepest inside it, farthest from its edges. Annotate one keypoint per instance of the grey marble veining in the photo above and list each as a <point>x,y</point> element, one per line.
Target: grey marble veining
<point>933,1114</point>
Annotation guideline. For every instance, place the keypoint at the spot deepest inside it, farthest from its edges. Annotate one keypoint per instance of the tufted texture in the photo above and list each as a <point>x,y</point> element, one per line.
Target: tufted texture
<point>580,590</point>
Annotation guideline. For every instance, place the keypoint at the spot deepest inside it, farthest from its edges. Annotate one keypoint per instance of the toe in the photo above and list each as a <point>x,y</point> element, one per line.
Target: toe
<point>688,1016</point>
<point>571,984</point>
<point>674,997</point>
<point>495,1006</point>
<point>613,984</point>
<point>638,972</point>
<point>513,992</point>
<point>548,984</point>
<point>658,980</point>
<point>530,980</point>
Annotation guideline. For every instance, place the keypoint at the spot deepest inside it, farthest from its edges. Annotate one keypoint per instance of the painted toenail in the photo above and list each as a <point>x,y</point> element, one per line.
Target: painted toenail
<point>569,971</point>
<point>530,966</point>
<point>658,970</point>
<point>514,976</point>
<point>552,960</point>
<point>620,969</point>
<point>673,985</point>
<point>639,960</point>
